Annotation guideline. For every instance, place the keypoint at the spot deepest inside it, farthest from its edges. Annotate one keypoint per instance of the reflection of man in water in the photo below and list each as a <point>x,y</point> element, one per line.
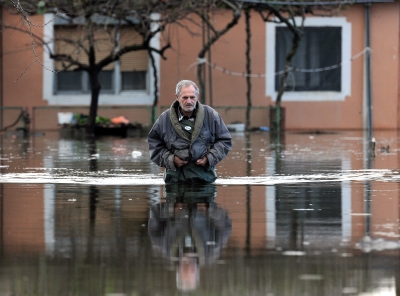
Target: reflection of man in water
<point>189,229</point>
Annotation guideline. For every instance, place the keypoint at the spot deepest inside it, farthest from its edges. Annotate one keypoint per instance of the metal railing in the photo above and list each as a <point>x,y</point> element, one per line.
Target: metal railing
<point>10,117</point>
<point>46,117</point>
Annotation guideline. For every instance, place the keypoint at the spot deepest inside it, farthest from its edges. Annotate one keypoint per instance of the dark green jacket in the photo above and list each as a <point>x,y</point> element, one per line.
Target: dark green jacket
<point>210,137</point>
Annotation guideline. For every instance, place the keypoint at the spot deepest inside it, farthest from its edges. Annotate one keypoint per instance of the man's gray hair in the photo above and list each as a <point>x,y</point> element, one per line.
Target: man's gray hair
<point>186,83</point>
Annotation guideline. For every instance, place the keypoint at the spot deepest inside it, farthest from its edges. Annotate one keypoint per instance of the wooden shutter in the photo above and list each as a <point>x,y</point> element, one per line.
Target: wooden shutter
<point>70,39</point>
<point>104,45</point>
<point>134,60</point>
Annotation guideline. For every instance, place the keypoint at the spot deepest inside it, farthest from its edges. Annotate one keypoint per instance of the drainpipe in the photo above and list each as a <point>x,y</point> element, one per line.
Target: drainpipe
<point>368,91</point>
<point>369,141</point>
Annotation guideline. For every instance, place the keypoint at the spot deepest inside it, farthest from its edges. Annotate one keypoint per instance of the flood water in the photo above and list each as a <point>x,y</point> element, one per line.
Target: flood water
<point>317,215</point>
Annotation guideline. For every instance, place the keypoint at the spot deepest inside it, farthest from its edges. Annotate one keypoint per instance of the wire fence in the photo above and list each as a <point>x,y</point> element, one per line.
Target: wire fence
<point>289,69</point>
<point>10,118</point>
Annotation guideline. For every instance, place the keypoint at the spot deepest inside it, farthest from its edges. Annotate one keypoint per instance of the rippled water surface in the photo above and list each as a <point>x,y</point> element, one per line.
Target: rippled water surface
<point>317,215</point>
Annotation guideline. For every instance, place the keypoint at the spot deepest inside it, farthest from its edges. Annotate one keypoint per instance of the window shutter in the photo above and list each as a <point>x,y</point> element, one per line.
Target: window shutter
<point>134,60</point>
<point>103,45</point>
<point>63,34</point>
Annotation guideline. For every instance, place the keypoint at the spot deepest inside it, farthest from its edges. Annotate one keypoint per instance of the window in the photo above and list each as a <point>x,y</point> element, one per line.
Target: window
<point>129,74</point>
<point>319,47</point>
<point>78,81</point>
<point>131,84</point>
<point>326,42</point>
<point>69,81</point>
<point>133,64</point>
<point>106,79</point>
<point>134,80</point>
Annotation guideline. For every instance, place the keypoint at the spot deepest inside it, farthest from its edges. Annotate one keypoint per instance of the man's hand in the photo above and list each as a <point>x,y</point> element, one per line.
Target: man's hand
<point>179,162</point>
<point>202,161</point>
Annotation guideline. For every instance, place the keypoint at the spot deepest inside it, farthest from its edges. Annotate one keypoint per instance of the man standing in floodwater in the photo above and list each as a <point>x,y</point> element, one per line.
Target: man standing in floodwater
<point>189,139</point>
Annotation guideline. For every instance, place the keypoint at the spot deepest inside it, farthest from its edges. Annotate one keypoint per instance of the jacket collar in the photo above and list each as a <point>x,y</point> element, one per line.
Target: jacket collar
<point>197,125</point>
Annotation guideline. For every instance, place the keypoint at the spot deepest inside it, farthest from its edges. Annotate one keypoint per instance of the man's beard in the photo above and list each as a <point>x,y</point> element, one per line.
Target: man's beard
<point>187,109</point>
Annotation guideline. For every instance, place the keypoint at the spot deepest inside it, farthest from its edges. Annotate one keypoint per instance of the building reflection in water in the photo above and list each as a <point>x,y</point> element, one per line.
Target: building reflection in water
<point>321,238</point>
<point>189,230</point>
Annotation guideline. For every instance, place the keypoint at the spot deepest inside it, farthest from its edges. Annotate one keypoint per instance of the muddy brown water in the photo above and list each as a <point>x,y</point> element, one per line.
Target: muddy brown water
<point>316,215</point>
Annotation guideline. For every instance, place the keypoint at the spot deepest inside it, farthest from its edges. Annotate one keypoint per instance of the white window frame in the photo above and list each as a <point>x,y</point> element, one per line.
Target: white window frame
<point>270,201</point>
<point>311,95</point>
<point>139,97</point>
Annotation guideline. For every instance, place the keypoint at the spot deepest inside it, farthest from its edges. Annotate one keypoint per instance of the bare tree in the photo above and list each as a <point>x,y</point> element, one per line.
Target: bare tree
<point>286,15</point>
<point>215,33</point>
<point>95,43</point>
<point>292,14</point>
<point>283,12</point>
<point>100,21</point>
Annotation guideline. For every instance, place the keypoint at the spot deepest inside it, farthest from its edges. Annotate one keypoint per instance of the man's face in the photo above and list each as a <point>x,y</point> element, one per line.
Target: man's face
<point>188,99</point>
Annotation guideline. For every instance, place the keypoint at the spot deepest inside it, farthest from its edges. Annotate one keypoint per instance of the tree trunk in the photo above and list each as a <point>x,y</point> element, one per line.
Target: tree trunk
<point>202,85</point>
<point>94,103</point>
<point>201,69</point>
<point>155,102</point>
<point>207,45</point>
<point>282,87</point>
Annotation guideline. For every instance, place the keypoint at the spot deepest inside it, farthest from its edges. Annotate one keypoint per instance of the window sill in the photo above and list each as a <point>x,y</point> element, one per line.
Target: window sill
<point>310,96</point>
